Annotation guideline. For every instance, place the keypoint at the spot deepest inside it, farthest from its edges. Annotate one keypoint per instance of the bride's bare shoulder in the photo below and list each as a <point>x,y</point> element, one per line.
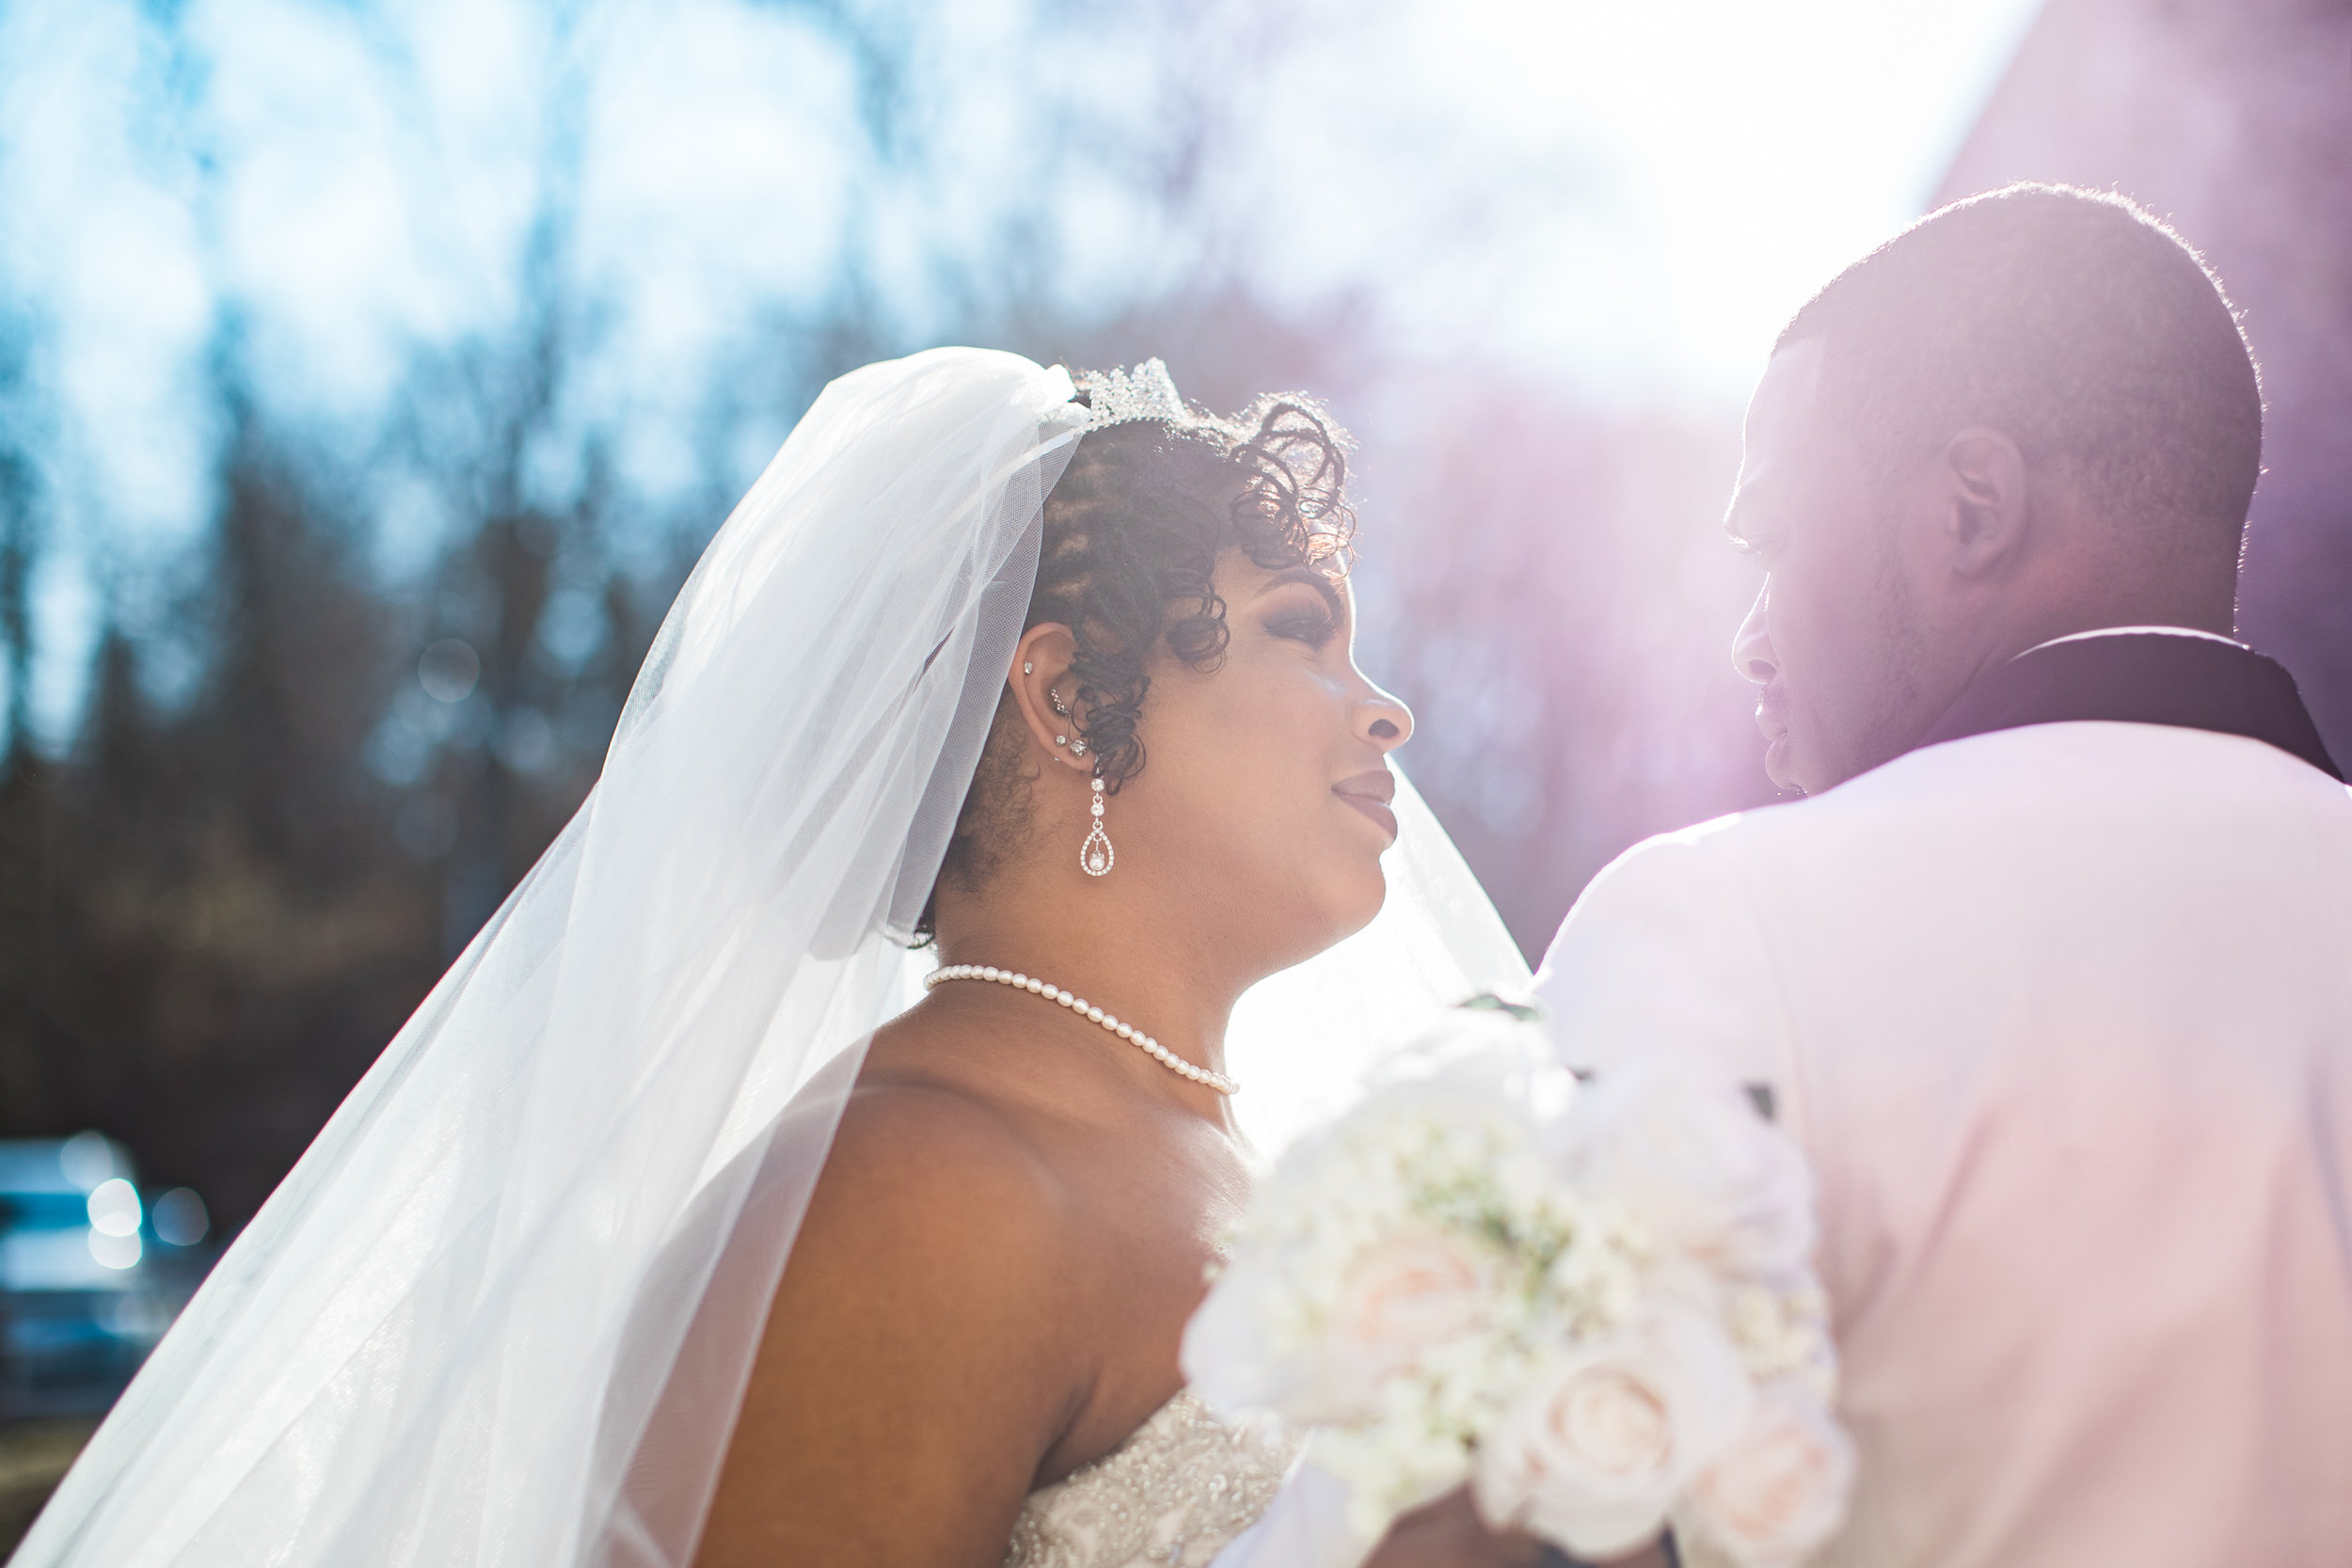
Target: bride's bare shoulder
<point>922,1326</point>
<point>928,1164</point>
<point>902,1132</point>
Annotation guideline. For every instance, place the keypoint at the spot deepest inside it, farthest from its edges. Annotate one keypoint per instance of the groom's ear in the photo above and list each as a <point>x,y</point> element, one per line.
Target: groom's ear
<point>1984,515</point>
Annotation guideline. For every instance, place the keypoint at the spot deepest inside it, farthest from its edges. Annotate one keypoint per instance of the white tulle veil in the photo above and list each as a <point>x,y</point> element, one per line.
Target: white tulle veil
<point>446,1340</point>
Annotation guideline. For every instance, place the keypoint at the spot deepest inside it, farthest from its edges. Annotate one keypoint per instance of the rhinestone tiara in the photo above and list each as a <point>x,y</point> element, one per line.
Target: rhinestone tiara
<point>1118,396</point>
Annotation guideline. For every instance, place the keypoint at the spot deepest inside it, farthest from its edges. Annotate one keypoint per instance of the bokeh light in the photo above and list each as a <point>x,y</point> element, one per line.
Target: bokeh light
<point>116,1252</point>
<point>180,1218</point>
<point>113,1208</point>
<point>87,1160</point>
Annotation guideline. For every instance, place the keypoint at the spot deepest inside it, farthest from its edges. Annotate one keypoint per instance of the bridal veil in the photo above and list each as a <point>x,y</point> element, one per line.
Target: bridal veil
<point>447,1338</point>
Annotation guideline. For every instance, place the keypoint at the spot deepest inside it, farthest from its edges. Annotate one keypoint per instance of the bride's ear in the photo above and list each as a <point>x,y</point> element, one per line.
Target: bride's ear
<point>1047,695</point>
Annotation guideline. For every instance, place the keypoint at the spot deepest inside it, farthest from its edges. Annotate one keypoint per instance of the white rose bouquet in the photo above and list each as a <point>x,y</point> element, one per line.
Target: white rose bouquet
<point>1591,1302</point>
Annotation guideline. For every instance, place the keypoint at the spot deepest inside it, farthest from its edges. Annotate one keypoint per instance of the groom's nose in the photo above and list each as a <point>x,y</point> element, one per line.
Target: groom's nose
<point>1751,649</point>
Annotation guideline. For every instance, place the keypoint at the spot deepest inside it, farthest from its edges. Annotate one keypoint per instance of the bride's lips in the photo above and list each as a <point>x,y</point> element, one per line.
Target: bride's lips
<point>1371,793</point>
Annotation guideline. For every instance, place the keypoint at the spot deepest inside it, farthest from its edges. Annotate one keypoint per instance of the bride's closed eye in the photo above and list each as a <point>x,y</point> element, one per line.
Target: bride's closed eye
<point>1314,626</point>
<point>1301,606</point>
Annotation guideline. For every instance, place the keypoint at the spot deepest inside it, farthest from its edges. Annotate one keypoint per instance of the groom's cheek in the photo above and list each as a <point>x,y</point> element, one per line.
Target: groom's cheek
<point>1836,663</point>
<point>1792,704</point>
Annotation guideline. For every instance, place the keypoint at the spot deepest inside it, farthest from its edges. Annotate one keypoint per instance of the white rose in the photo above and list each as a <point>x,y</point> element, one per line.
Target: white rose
<point>1676,1140</point>
<point>1400,1297</point>
<point>1404,1295</point>
<point>1609,1435</point>
<point>1779,1491</point>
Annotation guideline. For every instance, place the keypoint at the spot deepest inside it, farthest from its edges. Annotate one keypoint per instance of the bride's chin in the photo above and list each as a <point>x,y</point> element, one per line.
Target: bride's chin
<point>1366,889</point>
<point>1342,892</point>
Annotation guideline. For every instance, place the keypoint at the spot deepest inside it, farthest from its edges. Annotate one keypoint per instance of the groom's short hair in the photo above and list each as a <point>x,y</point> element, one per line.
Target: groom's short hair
<point>2070,321</point>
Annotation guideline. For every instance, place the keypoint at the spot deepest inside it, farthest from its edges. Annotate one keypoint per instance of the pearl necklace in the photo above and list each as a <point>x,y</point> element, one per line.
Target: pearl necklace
<point>1087,1010</point>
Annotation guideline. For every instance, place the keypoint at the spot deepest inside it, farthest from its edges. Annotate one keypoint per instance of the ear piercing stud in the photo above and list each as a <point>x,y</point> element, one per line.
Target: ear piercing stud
<point>1078,748</point>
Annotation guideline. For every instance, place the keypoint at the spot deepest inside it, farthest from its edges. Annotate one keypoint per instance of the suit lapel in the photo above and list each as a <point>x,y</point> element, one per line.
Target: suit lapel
<point>2150,677</point>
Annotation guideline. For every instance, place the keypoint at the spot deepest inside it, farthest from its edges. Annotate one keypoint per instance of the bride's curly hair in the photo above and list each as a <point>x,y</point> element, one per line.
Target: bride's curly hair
<point>1132,536</point>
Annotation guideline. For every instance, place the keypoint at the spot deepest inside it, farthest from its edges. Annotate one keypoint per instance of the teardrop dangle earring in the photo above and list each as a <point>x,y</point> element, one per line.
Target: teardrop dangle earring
<point>1096,856</point>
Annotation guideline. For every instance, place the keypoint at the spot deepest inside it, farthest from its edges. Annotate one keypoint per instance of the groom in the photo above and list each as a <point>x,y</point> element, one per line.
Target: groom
<point>2052,974</point>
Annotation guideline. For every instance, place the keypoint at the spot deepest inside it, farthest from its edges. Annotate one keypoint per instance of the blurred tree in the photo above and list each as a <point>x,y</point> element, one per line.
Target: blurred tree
<point>25,791</point>
<point>229,934</point>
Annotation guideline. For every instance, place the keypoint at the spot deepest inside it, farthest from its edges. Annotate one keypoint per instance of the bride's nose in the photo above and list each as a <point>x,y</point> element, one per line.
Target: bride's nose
<point>1382,719</point>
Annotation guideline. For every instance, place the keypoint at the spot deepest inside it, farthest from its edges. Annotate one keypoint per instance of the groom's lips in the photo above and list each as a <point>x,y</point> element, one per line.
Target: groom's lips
<point>1371,793</point>
<point>1775,723</point>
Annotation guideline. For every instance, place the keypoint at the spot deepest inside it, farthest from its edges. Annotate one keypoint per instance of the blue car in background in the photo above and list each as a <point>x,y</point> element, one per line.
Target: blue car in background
<point>91,1273</point>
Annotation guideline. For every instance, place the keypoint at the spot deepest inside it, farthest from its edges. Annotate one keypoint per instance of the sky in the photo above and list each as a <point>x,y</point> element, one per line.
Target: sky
<point>1621,200</point>
<point>1695,169</point>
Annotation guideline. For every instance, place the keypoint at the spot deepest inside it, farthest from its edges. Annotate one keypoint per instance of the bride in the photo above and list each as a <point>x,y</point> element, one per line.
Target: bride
<point>674,1228</point>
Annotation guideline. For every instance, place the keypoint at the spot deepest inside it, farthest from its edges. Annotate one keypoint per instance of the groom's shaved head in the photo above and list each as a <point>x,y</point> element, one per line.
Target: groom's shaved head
<point>2028,415</point>
<point>2074,323</point>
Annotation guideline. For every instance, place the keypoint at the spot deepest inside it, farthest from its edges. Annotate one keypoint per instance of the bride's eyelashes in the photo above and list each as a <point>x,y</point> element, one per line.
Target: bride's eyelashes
<point>1298,611</point>
<point>1314,627</point>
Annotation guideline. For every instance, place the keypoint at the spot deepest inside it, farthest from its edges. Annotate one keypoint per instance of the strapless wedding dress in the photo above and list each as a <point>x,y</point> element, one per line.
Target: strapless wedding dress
<point>1174,1493</point>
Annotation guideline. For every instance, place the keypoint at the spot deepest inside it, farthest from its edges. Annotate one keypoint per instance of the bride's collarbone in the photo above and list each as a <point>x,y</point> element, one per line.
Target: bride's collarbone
<point>1134,1191</point>
<point>1136,1194</point>
<point>1079,1096</point>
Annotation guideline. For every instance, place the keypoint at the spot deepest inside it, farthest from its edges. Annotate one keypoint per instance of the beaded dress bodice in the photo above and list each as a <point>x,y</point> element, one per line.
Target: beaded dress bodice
<point>1174,1494</point>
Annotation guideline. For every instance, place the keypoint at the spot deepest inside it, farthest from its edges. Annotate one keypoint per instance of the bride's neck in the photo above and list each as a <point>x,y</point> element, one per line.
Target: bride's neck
<point>1155,972</point>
